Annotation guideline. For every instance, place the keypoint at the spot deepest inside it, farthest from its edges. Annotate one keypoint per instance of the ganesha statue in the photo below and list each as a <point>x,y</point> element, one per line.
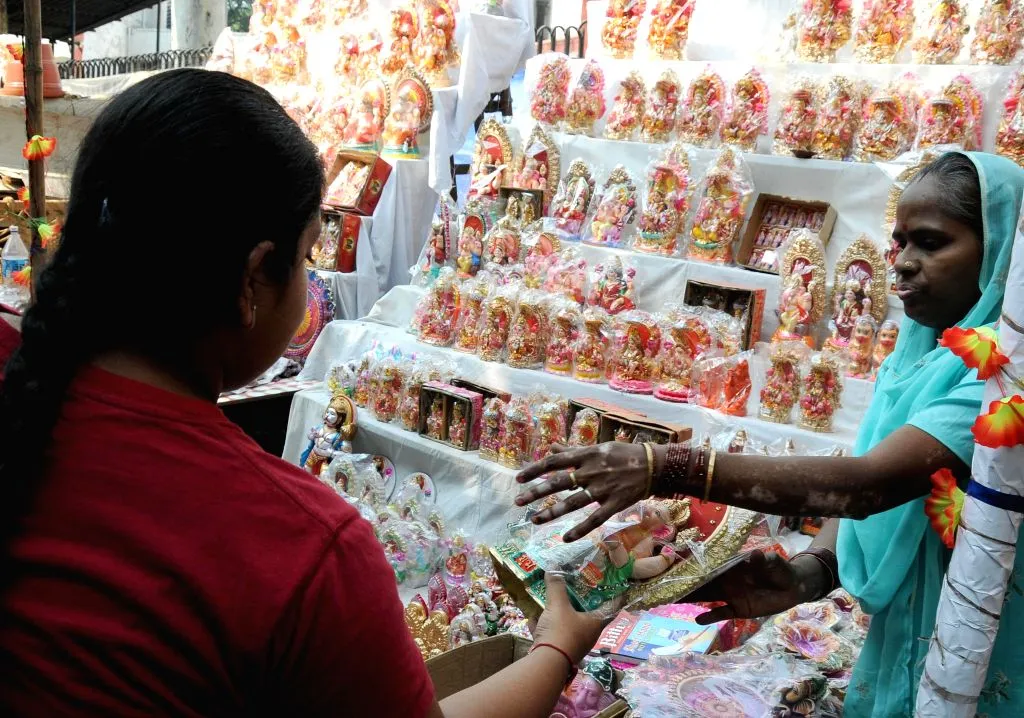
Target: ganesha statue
<point>592,347</point>
<point>616,209</point>
<point>802,299</point>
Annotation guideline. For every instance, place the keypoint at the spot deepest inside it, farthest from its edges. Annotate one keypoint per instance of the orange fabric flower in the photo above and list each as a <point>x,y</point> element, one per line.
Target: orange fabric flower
<point>17,51</point>
<point>39,147</point>
<point>22,276</point>
<point>1003,425</point>
<point>48,233</point>
<point>978,348</point>
<point>24,196</point>
<point>944,506</point>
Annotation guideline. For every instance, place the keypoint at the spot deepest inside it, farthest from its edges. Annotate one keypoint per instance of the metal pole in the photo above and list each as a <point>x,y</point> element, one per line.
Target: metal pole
<point>74,27</point>
<point>159,24</point>
<point>34,125</point>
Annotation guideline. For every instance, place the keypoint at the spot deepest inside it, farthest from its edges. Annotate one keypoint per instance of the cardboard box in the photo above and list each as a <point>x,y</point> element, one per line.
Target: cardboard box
<point>367,197</point>
<point>601,407</point>
<point>772,220</point>
<point>335,250</point>
<point>733,299</point>
<point>488,392</point>
<point>661,432</point>
<point>472,404</point>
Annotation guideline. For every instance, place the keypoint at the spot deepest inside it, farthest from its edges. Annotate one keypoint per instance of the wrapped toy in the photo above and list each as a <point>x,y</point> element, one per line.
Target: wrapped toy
<point>409,403</point>
<point>725,193</point>
<point>627,111</point>
<point>586,103</point>
<point>591,358</point>
<point>495,323</point>
<point>435,50</point>
<point>952,116</point>
<point>528,333</point>
<point>662,104</point>
<point>405,28</point>
<point>516,433</point>
<point>614,209</point>
<point>549,96</point>
<point>802,283</point>
<point>941,32</point>
<point>822,28</point>
<point>540,249</point>
<point>584,428</point>
<point>386,387</point>
<point>571,204</point>
<point>501,244</point>
<point>669,29</point>
<point>564,320</point>
<point>889,123</point>
<point>823,388</point>
<point>782,383</point>
<point>439,250</point>
<point>666,202</point>
<point>794,134</point>
<point>837,120</point>
<point>611,287</point>
<point>549,419</point>
<point>883,28</point>
<point>490,428</point>
<point>568,275</point>
<point>688,338</point>
<point>637,342</point>
<point>471,239</point>
<point>471,302</point>
<point>622,18</point>
<point>997,33</point>
<point>436,314</point>
<point>703,109</point>
<point>723,384</point>
<point>1010,135</point>
<point>748,112</point>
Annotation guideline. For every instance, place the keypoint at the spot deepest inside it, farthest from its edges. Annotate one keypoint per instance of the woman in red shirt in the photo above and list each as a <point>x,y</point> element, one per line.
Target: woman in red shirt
<point>154,560</point>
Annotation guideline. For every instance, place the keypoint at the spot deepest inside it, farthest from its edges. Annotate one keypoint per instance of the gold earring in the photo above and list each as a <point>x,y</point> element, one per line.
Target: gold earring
<point>252,322</point>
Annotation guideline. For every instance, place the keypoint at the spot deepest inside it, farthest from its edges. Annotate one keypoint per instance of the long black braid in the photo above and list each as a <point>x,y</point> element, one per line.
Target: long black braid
<point>177,180</point>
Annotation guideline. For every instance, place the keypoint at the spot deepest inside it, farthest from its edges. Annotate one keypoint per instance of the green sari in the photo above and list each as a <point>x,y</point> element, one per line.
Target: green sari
<point>893,562</point>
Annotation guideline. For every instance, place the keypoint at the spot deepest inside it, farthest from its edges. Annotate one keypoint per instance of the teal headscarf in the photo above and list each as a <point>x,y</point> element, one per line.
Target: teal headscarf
<point>892,562</point>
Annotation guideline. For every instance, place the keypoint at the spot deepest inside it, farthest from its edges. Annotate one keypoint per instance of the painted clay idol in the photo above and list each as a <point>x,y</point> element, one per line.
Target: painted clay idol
<point>492,158</point>
<point>495,323</point>
<point>670,27</point>
<point>802,299</point>
<point>550,428</point>
<point>541,250</point>
<point>822,28</point>
<point>662,104</point>
<point>997,35</point>
<point>637,343</point>
<point>490,429</point>
<point>435,49</point>
<point>501,245</point>
<point>616,209</point>
<point>367,121</point>
<point>837,119</point>
<point>572,202</point>
<point>386,389</point>
<point>859,289</point>
<point>794,133</point>
<point>703,109</point>
<point>622,18</point>
<point>584,428</point>
<point>724,196</point>
<point>687,339</point>
<point>411,108</point>
<point>941,34</point>
<point>405,28</point>
<point>611,287</point>
<point>782,383</point>
<point>888,333</point>
<point>666,203</point>
<point>748,112</point>
<point>858,351</point>
<point>592,347</point>
<point>564,327</point>
<point>334,435</point>
<point>889,123</point>
<point>628,109</point>
<point>548,98</point>
<point>952,117</point>
<point>471,240</point>
<point>540,165</point>
<point>884,27</point>
<point>1010,135</point>
<point>586,103</point>
<point>527,334</point>
<point>568,275</point>
<point>436,314</point>
<point>471,302</point>
<point>823,389</point>
<point>516,434</point>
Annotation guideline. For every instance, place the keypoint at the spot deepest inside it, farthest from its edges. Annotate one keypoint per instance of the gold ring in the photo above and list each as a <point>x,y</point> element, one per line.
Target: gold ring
<point>573,484</point>
<point>589,495</point>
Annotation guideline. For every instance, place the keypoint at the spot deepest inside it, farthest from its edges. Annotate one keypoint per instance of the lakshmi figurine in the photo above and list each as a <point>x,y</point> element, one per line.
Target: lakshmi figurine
<point>550,421</point>
<point>953,117</point>
<point>618,34</point>
<point>435,419</point>
<point>458,425</point>
<point>884,135</point>
<point>611,288</point>
<point>572,202</point>
<point>638,341</point>
<point>592,347</point>
<point>586,103</point>
<point>884,27</point>
<point>942,34</point>
<point>837,119</point>
<point>1010,135</point>
<point>782,383</point>
<point>748,112</point>
<point>564,325</point>
<point>662,104</point>
<point>568,275</point>
<point>332,437</point>
<point>584,428</point>
<point>527,333</point>
<point>795,132</point>
<point>859,289</point>
<point>548,97</point>
<point>670,27</point>
<point>702,112</point>
<point>471,302</point>
<point>436,313</point>
<point>688,339</point>
<point>822,28</point>
<point>997,33</point>
<point>515,435</point>
<point>616,209</point>
<point>723,203</point>
<point>858,352</point>
<point>888,333</point>
<point>666,203</point>
<point>823,390</point>
<point>490,428</point>
<point>494,326</point>
<point>628,109</point>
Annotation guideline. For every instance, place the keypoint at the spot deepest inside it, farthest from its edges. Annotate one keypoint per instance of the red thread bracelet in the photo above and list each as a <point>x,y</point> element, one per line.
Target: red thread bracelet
<point>573,669</point>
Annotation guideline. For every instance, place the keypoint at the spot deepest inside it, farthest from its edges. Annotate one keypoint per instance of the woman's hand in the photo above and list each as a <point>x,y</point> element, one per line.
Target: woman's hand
<point>613,474</point>
<point>762,585</point>
<point>564,626</point>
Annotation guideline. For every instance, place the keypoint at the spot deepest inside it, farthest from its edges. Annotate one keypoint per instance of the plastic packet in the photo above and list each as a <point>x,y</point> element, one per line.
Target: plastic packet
<point>585,427</point>
<point>613,211</point>
<point>516,433</point>
<point>688,337</point>
<point>951,116</point>
<point>586,103</point>
<point>527,336</point>
<point>435,316</point>
<point>747,116</point>
<point>636,343</point>
<point>568,275</point>
<point>549,420</point>
<point>538,166</point>
<point>386,387</point>
<point>364,377</point>
<point>822,392</point>
<point>798,116</point>
<point>1010,134</point>
<point>889,123</point>
<point>611,286</point>
<point>490,428</point>
<point>782,382</point>
<point>997,33</point>
<point>939,32</point>
<point>549,95</point>
<point>628,109</point>
<point>495,322</point>
<point>669,29</point>
<point>622,19</point>
<point>883,28</point>
<point>591,358</point>
<point>666,202</point>
<point>539,251</point>
<point>408,415</point>
<point>572,202</point>
<point>439,249</point>
<point>473,226</point>
<point>662,104</point>
<point>723,383</point>
<point>822,28</point>
<point>564,319</point>
<point>721,207</point>
<point>492,161</point>
<point>703,109</point>
<point>838,115</point>
<point>501,243</point>
<point>355,476</point>
<point>472,294</point>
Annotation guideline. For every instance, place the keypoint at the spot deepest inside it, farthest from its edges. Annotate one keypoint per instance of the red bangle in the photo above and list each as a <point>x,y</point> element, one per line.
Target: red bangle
<point>573,669</point>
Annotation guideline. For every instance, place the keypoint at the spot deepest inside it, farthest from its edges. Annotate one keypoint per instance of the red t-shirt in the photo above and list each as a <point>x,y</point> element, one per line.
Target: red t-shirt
<point>171,567</point>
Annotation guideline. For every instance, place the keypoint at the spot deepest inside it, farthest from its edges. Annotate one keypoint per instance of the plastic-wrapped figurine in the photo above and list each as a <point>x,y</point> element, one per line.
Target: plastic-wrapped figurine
<point>495,323</point>
<point>409,404</point>
<point>564,327</point>
<point>526,337</point>
<point>997,33</point>
<point>471,241</point>
<point>611,287</point>
<point>572,202</point>
<point>568,275</point>
<point>616,209</point>
<point>666,202</point>
<point>516,433</point>
<point>541,253</point>
<point>586,103</point>
<point>952,117</point>
<point>858,289</point>
<point>334,435</point>
<point>858,351</point>
<point>490,428</point>
<point>458,424</point>
<point>550,420</point>
<point>366,124</point>
<point>802,279</point>
<point>435,49</point>
<point>723,384</point>
<point>435,315</point>
<point>435,419</point>
<point>782,383</point>
<point>884,27</point>
<point>687,340</point>
<point>436,254</point>
<point>584,428</point>
<point>492,160</point>
<point>670,27</point>
<point>637,343</point>
<point>797,119</point>
<point>662,104</point>
<point>386,389</point>
<point>627,111</point>
<point>889,123</point>
<point>364,378</point>
<point>724,196</point>
<point>837,119</point>
<point>412,106</point>
<point>549,96</point>
<point>888,333</point>
<point>622,18</point>
<point>471,302</point>
<point>1010,135</point>
<point>748,112</point>
<point>501,245</point>
<point>941,33</point>
<point>823,390</point>
<point>405,27</point>
<point>592,347</point>
<point>702,112</point>
<point>823,27</point>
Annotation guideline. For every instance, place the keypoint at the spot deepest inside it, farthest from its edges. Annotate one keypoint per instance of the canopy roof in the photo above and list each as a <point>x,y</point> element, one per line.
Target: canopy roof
<point>89,14</point>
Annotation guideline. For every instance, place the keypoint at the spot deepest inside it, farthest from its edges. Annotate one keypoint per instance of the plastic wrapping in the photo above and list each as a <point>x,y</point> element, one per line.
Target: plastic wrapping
<point>614,210</point>
<point>822,392</point>
<point>436,50</point>
<point>405,27</point>
<point>635,347</point>
<point>527,336</point>
<point>798,117</point>
<point>822,28</point>
<point>884,27</point>
<point>408,416</point>
<point>386,383</point>
<point>586,103</point>
<point>723,383</point>
<point>471,301</point>
<point>549,96</point>
<point>539,165</point>
<point>495,323</point>
<point>493,160</point>
<point>611,286</point>
<point>1010,135</point>
<point>782,381</point>
<point>997,33</point>
<point>859,289</point>
<point>490,428</point>
<point>889,123</point>
<point>439,249</point>
<point>473,226</point>
<point>940,31</point>
<point>366,123</point>
<point>662,104</point>
<point>434,318</point>
<point>572,202</point>
<point>724,196</point>
<point>669,28</point>
<point>591,360</point>
<point>838,117</point>
<point>951,116</point>
<point>501,243</point>
<point>568,276</point>
<point>703,109</point>
<point>549,418</point>
<point>564,320</point>
<point>802,278</point>
<point>584,431</point>
<point>666,202</point>
<point>747,117</point>
<point>516,433</point>
<point>628,109</point>
<point>539,251</point>
<point>688,337</point>
<point>622,19</point>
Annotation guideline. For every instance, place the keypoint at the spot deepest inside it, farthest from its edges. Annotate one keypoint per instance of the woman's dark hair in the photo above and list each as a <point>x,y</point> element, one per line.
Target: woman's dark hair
<point>960,184</point>
<point>178,179</point>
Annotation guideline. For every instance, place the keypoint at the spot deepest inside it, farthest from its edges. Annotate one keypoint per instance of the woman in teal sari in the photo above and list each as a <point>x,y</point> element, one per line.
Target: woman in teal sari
<point>955,226</point>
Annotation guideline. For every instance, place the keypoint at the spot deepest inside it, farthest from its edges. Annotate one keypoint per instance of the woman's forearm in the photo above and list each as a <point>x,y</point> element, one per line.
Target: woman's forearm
<point>528,688</point>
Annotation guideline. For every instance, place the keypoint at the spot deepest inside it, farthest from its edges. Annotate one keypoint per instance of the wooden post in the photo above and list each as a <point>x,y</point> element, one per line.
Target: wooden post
<point>34,126</point>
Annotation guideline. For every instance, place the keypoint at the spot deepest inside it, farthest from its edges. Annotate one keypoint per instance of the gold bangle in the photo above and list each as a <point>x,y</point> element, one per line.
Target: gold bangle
<point>649,450</point>
<point>711,475</point>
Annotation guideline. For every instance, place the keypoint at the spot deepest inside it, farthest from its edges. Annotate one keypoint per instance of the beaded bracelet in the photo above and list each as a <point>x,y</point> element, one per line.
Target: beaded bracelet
<point>671,482</point>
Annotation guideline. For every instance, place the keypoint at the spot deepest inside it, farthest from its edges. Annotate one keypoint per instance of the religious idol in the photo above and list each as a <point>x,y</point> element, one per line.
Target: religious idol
<point>666,202</point>
<point>884,27</point>
<point>628,109</point>
<point>572,202</point>
<point>662,104</point>
<point>952,117</point>
<point>435,315</point>
<point>436,424</point>
<point>592,347</point>
<point>888,126</point>
<point>618,34</point>
<point>997,33</point>
<point>616,209</point>
<point>942,34</point>
<point>635,363</point>
<point>490,428</point>
<point>412,106</point>
<point>723,384</point>
<point>837,119</point>
<point>540,165</point>
<point>367,120</point>
<point>516,433</point>
<point>333,436</point>
<point>436,255</point>
<point>541,248</point>
<point>471,302</point>
<point>611,287</point>
<point>471,240</point>
<point>1010,135</point>
<point>794,133</point>
<point>584,428</point>
<point>386,389</point>
<point>858,351</point>
<point>492,157</point>
<point>802,279</point>
<point>458,425</point>
<point>702,110</point>
<point>364,377</point>
<point>526,338</point>
<point>888,333</point>
<point>586,103</point>
<point>724,196</point>
<point>823,390</point>
<point>495,323</point>
<point>747,117</point>
<point>549,96</point>
<point>501,245</point>
<point>409,404</point>
<point>405,28</point>
<point>435,49</point>
<point>687,339</point>
<point>568,275</point>
<point>782,382</point>
<point>670,27</point>
<point>858,289</point>
<point>822,28</point>
<point>564,327</point>
<point>549,419</point>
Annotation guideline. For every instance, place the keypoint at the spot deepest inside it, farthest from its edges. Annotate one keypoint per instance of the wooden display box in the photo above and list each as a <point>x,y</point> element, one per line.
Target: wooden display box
<point>538,199</point>
<point>660,432</point>
<point>338,255</point>
<point>772,221</point>
<point>730,298</point>
<point>368,197</point>
<point>451,396</point>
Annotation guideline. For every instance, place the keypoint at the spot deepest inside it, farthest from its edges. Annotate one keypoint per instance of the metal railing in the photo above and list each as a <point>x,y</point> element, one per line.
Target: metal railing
<point>106,66</point>
<point>570,40</point>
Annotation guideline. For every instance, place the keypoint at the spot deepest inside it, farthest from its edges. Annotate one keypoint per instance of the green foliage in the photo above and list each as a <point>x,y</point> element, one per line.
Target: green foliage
<point>239,12</point>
